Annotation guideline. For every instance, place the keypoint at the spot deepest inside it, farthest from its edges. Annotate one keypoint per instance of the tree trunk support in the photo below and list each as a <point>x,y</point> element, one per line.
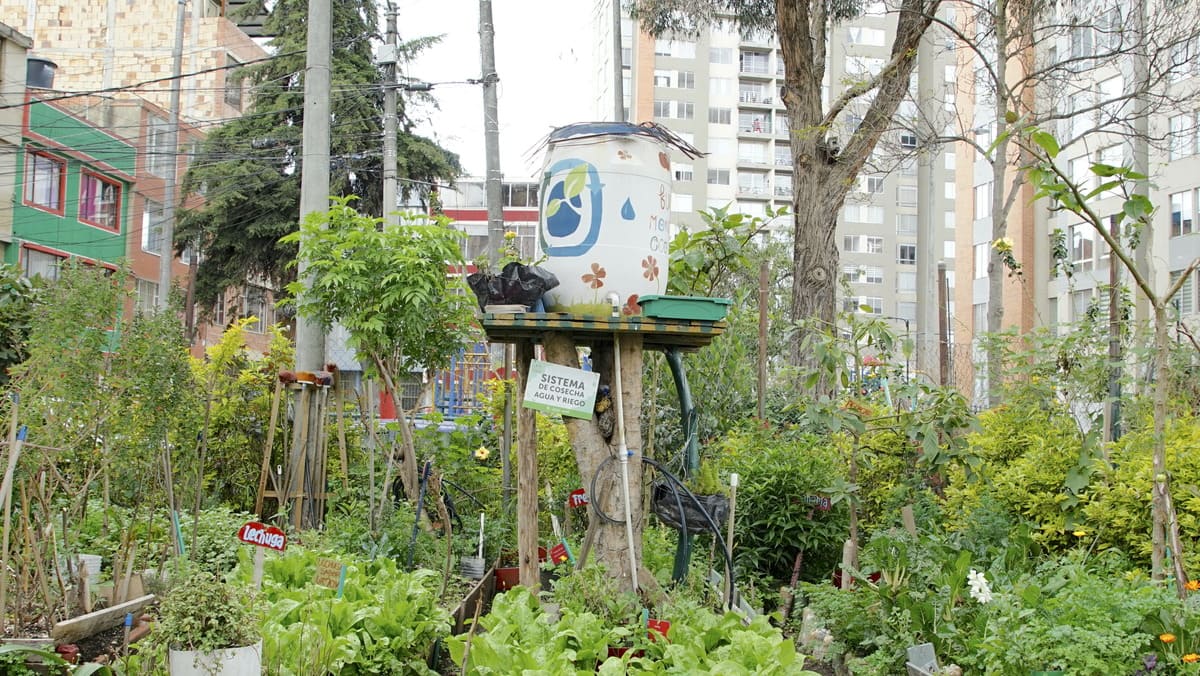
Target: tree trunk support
<point>527,483</point>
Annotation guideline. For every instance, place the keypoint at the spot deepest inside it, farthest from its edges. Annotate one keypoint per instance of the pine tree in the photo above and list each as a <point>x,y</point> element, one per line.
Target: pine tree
<point>248,169</point>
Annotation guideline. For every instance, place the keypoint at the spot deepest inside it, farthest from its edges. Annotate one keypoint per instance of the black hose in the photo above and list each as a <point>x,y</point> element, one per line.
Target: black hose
<point>676,484</point>
<point>464,491</point>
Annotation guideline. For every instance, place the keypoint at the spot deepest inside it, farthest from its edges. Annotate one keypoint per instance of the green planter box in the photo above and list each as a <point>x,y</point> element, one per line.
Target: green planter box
<point>685,307</point>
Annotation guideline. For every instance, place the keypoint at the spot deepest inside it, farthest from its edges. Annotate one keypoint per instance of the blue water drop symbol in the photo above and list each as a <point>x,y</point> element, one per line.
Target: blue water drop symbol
<point>627,210</point>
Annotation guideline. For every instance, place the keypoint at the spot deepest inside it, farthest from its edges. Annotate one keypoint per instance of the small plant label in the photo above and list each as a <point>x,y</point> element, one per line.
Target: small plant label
<point>330,573</point>
<point>577,498</point>
<point>553,388</point>
<point>262,535</point>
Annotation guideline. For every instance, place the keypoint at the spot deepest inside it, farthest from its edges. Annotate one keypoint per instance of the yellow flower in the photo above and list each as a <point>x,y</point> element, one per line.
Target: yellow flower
<point>1081,533</point>
<point>1167,638</point>
<point>1192,585</point>
<point>482,453</point>
<point>510,235</point>
<point>1190,657</point>
<point>1003,244</point>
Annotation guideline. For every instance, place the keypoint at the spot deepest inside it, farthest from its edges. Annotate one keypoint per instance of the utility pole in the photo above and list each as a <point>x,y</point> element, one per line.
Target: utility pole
<point>929,226</point>
<point>491,130</point>
<point>166,250</point>
<point>390,215</point>
<point>314,170</point>
<point>618,65</point>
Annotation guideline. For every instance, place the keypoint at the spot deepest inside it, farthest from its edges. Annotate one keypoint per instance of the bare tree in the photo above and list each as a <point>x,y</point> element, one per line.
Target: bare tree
<point>1094,70</point>
<point>827,155</point>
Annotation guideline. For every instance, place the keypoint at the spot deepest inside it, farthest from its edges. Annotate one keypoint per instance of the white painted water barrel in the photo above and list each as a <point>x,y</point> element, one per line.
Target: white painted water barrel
<point>603,224</point>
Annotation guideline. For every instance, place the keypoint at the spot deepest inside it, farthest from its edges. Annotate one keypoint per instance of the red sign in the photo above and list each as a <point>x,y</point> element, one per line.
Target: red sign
<point>578,498</point>
<point>558,553</point>
<point>262,535</point>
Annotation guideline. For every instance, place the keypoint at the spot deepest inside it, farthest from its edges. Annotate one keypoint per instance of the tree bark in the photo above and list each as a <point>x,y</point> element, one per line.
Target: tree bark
<point>823,172</point>
<point>598,458</point>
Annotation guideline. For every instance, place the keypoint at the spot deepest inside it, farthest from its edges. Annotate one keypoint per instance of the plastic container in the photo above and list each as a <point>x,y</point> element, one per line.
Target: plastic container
<point>604,215</point>
<point>696,308</point>
<point>229,662</point>
<point>472,567</point>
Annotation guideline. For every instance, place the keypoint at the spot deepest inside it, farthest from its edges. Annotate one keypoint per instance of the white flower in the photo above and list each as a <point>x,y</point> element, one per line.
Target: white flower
<point>979,589</point>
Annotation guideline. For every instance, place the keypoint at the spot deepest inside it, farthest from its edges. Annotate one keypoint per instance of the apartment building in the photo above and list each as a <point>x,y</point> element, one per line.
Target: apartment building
<point>720,92</point>
<point>1085,91</point>
<point>13,47</point>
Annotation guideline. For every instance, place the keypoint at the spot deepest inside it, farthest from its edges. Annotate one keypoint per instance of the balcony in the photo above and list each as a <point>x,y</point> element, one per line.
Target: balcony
<point>754,71</point>
<point>783,191</point>
<point>754,192</point>
<point>755,100</point>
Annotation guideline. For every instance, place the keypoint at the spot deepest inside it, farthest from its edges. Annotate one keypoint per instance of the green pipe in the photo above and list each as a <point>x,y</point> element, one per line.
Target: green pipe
<point>689,422</point>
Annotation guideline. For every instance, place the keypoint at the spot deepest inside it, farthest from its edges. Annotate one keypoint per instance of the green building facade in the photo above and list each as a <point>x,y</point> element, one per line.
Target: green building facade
<point>74,192</point>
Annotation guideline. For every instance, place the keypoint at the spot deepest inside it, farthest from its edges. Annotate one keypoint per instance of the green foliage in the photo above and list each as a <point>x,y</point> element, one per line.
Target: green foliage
<point>780,469</point>
<point>15,660</point>
<point>592,590</point>
<point>17,297</point>
<point>385,622</point>
<point>1118,509</point>
<point>520,638</point>
<point>704,262</point>
<point>202,613</point>
<point>247,168</point>
<point>387,286</point>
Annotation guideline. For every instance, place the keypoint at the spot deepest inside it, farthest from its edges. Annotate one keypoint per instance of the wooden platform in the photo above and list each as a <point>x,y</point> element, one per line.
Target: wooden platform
<point>656,333</point>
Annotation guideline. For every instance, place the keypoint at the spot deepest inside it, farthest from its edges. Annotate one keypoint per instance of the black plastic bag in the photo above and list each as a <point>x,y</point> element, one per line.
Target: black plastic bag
<point>667,509</point>
<point>516,284</point>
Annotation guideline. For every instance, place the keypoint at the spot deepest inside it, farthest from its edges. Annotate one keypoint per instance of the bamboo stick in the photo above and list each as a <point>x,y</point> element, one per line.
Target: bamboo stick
<point>266,460</point>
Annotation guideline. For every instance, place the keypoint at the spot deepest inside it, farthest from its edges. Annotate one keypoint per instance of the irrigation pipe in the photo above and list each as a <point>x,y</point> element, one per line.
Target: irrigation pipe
<point>623,450</point>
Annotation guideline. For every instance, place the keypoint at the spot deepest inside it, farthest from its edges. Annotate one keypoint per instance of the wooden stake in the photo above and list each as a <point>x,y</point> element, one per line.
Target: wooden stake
<point>527,484</point>
<point>729,590</point>
<point>266,460</point>
<point>14,452</point>
<point>260,555</point>
<point>341,432</point>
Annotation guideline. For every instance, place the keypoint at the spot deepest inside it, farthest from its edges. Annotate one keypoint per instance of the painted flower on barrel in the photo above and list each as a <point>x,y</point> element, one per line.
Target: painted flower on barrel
<point>631,306</point>
<point>595,278</point>
<point>650,268</point>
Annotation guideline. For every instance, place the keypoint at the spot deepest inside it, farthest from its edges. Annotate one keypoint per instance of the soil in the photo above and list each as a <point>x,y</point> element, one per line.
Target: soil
<point>823,668</point>
<point>105,643</point>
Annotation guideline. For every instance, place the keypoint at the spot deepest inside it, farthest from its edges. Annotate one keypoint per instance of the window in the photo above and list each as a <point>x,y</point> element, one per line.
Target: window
<point>949,161</point>
<point>949,73</point>
<point>1182,214</point>
<point>233,82</point>
<point>783,185</point>
<point>39,263</point>
<point>720,55</point>
<point>1185,300</point>
<point>862,244</point>
<point>906,195</point>
<point>160,154</point>
<point>662,47</point>
<point>906,309</point>
<point>1110,98</point>
<point>783,155</point>
<point>626,57</point>
<point>948,249</point>
<point>754,62</point>
<point>44,182</point>
<point>147,296</point>
<point>1082,117</point>
<point>720,116</point>
<point>906,224</point>
<point>858,274</point>
<point>873,275</point>
<point>718,177</point>
<point>684,110</point>
<point>99,201</point>
<point>1113,156</point>
<point>756,123</point>
<point>873,184</point>
<point>1183,135</point>
<point>1081,240</point>
<point>979,318</point>
<point>864,213</point>
<point>153,220</point>
<point>682,172</point>
<point>906,282</point>
<point>1081,42</point>
<point>983,201</point>
<point>681,202</point>
<point>949,219</point>
<point>867,304</point>
<point>907,254</point>
<point>753,92</point>
<point>908,139</point>
<point>1108,30</point>
<point>752,183</point>
<point>1079,170</point>
<point>685,79</point>
<point>662,78</point>
<point>871,37</point>
<point>753,153</point>
<point>863,67</point>
<point>662,108</point>
<point>981,254</point>
<point>254,304</point>
<point>720,86</point>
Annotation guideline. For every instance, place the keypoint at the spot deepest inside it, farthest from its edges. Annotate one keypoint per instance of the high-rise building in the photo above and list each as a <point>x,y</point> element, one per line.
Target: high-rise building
<point>720,91</point>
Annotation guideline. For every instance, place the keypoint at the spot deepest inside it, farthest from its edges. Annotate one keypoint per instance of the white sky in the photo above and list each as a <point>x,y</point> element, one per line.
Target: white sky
<point>544,61</point>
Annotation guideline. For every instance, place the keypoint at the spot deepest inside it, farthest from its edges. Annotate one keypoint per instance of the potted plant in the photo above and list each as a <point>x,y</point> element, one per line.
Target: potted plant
<point>209,629</point>
<point>677,509</point>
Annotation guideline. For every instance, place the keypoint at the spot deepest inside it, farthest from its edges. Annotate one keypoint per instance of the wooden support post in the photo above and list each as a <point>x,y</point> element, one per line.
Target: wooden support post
<point>341,431</point>
<point>266,460</point>
<point>527,483</point>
